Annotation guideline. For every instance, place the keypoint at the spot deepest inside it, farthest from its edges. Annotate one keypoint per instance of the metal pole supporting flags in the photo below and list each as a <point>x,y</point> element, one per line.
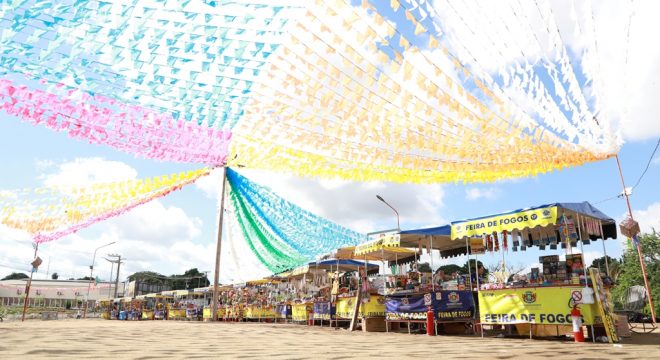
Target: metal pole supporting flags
<point>584,265</point>
<point>432,268</point>
<point>636,243</point>
<point>214,306</point>
<point>467,252</point>
<point>602,237</point>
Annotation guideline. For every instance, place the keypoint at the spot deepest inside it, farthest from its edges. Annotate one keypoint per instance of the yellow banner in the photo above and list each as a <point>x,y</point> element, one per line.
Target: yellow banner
<point>386,241</point>
<point>207,313</point>
<point>547,306</point>
<point>258,312</point>
<point>299,312</point>
<point>509,222</point>
<point>375,307</point>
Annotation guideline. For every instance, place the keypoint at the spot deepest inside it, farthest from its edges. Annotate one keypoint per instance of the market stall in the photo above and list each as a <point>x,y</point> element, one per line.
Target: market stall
<point>541,303</point>
<point>282,301</point>
<point>135,309</point>
<point>368,290</point>
<point>161,304</point>
<point>260,298</point>
<point>343,272</point>
<point>146,309</point>
<point>154,306</point>
<point>449,296</point>
<point>304,285</point>
<point>105,307</point>
<point>124,307</point>
<point>222,300</point>
<point>175,308</point>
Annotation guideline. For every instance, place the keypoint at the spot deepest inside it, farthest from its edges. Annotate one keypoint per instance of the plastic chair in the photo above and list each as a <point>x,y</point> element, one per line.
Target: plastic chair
<point>634,301</point>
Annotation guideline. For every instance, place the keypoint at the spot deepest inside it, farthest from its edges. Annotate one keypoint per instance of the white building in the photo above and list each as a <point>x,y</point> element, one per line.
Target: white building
<point>55,293</point>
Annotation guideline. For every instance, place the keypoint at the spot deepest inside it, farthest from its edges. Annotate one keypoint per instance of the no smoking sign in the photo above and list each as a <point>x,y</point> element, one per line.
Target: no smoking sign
<point>576,295</point>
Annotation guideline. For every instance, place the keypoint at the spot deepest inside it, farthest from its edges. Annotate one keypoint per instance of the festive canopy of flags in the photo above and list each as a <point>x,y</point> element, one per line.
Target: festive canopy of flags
<point>52,212</point>
<point>359,90</point>
<point>279,233</point>
<point>323,88</point>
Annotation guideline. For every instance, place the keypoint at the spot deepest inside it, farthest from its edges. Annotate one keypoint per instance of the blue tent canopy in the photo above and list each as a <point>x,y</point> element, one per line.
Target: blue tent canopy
<point>343,265</point>
<point>580,208</point>
<point>440,230</point>
<point>584,208</point>
<point>437,238</point>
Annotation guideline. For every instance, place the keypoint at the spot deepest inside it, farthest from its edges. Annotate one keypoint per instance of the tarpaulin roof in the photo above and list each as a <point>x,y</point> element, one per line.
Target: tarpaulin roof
<point>437,238</point>
<point>440,230</point>
<point>333,264</point>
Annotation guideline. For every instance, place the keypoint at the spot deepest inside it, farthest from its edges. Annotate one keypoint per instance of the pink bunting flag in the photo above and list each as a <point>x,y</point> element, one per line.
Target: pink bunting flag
<point>129,128</point>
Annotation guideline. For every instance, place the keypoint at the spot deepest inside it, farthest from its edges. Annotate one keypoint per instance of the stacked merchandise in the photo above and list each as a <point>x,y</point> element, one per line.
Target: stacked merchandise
<point>550,267</point>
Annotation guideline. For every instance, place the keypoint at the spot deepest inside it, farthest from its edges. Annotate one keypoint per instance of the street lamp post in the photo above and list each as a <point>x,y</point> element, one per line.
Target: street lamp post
<point>91,275</point>
<point>398,224</point>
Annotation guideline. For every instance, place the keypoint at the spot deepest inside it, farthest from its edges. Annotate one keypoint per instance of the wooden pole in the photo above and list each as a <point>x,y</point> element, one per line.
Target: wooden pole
<point>117,277</point>
<point>639,250</point>
<point>29,285</point>
<point>214,306</point>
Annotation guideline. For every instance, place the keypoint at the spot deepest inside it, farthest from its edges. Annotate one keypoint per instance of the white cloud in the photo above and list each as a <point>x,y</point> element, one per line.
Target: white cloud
<point>15,251</point>
<point>155,222</point>
<point>210,185</point>
<point>481,193</point>
<point>354,205</point>
<point>83,171</point>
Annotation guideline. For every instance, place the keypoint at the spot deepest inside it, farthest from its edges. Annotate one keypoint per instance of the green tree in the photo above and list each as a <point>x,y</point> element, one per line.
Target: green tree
<point>54,276</point>
<point>473,265</point>
<point>148,277</point>
<point>613,264</point>
<point>424,267</point>
<point>190,279</point>
<point>86,278</point>
<point>631,272</point>
<point>450,269</point>
<point>15,276</point>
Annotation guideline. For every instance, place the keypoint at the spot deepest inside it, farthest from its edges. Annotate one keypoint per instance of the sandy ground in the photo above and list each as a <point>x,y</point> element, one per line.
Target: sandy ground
<point>101,339</point>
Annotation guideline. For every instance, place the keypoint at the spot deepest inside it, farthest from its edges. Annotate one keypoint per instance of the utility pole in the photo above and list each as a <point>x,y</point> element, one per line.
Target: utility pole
<point>118,262</point>
<point>91,276</point>
<point>112,271</point>
<point>48,268</point>
<point>214,306</point>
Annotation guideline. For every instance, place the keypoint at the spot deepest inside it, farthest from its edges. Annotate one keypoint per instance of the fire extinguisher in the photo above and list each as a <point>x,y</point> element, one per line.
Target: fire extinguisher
<point>576,316</point>
<point>430,322</point>
<point>310,319</point>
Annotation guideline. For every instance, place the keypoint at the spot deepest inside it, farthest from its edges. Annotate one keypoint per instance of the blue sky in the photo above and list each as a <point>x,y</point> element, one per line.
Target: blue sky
<point>178,232</point>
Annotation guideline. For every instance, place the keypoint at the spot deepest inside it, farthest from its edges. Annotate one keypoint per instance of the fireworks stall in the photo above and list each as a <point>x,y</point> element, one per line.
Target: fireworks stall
<point>409,293</point>
<point>371,295</point>
<point>105,307</point>
<point>259,299</point>
<point>222,301</point>
<point>542,302</point>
